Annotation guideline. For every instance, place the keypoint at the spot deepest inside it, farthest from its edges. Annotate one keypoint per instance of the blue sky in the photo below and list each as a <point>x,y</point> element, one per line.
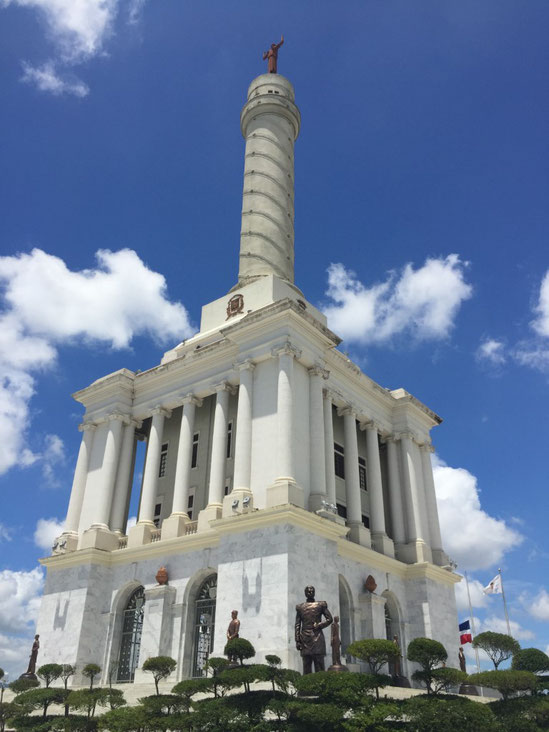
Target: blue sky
<point>421,228</point>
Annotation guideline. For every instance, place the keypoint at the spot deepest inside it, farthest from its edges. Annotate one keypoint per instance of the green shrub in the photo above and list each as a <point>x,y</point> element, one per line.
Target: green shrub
<point>50,672</point>
<point>530,659</point>
<point>90,671</point>
<point>429,654</point>
<point>125,719</point>
<point>40,699</point>
<point>160,667</point>
<point>239,649</point>
<point>507,682</point>
<point>436,715</point>
<point>20,685</point>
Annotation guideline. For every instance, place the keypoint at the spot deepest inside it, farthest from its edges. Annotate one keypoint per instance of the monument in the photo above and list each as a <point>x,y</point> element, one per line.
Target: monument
<point>271,461</point>
<point>309,638</point>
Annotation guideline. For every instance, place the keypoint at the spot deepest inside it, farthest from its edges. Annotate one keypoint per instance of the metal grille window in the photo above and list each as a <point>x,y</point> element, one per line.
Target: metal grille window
<point>163,460</point>
<point>157,512</point>
<point>132,627</point>
<point>194,457</point>
<point>341,510</point>
<point>204,625</point>
<point>339,460</point>
<point>362,474</point>
<point>229,439</point>
<point>190,504</point>
<point>366,521</point>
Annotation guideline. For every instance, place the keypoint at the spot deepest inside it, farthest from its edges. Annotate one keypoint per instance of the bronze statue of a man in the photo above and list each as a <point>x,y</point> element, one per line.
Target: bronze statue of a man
<point>34,655</point>
<point>309,638</point>
<point>462,661</point>
<point>234,626</point>
<point>272,55</point>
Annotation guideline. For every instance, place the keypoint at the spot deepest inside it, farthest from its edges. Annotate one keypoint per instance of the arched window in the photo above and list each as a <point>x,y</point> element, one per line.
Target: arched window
<point>345,617</point>
<point>204,624</point>
<point>130,643</point>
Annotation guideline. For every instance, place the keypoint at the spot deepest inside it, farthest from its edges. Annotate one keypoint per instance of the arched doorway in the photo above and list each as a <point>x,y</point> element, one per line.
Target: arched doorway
<point>204,624</point>
<point>345,618</point>
<point>130,642</point>
<point>393,630</point>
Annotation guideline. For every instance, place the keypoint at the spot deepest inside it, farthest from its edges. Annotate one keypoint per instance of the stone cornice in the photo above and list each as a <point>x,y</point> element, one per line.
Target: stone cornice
<point>318,370</point>
<point>286,349</point>
<point>87,426</point>
<point>161,410</point>
<point>246,365</point>
<point>191,399</point>
<point>224,386</point>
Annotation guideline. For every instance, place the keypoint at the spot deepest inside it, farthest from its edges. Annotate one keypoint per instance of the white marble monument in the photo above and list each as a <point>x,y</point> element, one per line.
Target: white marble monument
<point>272,462</point>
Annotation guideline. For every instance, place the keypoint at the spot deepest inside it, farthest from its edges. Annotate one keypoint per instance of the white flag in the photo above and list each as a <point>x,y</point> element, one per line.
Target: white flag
<point>494,587</point>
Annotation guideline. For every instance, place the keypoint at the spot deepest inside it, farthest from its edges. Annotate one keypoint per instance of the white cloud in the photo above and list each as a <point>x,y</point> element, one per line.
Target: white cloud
<point>45,305</point>
<point>423,302</point>
<point>47,78</point>
<point>5,533</point>
<point>20,594</point>
<point>539,607</point>
<point>131,523</point>
<point>478,598</point>
<point>499,625</point>
<point>492,352</point>
<point>47,530</point>
<point>78,31</point>
<point>532,354</point>
<point>541,322</point>
<point>473,538</point>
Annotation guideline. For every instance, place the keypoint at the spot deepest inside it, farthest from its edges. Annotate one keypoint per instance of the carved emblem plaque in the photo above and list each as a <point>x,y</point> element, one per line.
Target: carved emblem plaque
<point>235,306</point>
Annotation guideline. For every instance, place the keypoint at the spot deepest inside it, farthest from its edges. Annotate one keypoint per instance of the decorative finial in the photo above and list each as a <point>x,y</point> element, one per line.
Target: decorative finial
<point>272,55</point>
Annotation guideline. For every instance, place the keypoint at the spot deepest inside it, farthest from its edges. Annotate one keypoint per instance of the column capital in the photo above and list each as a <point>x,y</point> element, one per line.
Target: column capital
<point>87,427</point>
<point>287,349</point>
<point>330,394</point>
<point>224,386</point>
<point>159,409</point>
<point>317,370</point>
<point>118,416</point>
<point>427,446</point>
<point>246,365</point>
<point>190,398</point>
<point>405,436</point>
<point>389,437</point>
<point>347,411</point>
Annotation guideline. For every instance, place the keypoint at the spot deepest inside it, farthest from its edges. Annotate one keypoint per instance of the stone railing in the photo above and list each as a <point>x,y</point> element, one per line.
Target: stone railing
<point>191,528</point>
<point>123,542</point>
<point>156,535</point>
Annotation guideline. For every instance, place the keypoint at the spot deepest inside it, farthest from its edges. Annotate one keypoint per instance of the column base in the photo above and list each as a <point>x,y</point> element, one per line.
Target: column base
<point>382,544</point>
<point>98,538</point>
<point>331,516</point>
<point>360,535</point>
<point>66,543</point>
<point>415,551</point>
<point>440,557</point>
<point>174,526</point>
<point>210,513</point>
<point>240,500</point>
<point>284,491</point>
<point>319,502</point>
<point>140,534</point>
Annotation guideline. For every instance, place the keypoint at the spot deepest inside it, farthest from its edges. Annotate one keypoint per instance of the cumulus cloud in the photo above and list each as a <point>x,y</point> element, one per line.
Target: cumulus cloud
<point>541,321</point>
<point>19,605</point>
<point>422,302</point>
<point>472,537</point>
<point>539,607</point>
<point>5,533</point>
<point>492,352</point>
<point>499,625</point>
<point>478,598</point>
<point>47,530</point>
<point>78,31</point>
<point>45,305</point>
<point>46,78</point>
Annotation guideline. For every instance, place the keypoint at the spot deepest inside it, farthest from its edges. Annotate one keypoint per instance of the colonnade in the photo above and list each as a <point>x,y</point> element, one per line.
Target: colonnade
<point>412,509</point>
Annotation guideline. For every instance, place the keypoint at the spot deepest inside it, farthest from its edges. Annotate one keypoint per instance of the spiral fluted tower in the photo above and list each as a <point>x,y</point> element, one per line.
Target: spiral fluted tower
<point>270,123</point>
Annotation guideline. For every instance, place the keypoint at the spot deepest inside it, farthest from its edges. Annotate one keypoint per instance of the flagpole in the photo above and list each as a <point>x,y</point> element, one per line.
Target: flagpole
<point>472,620</point>
<point>504,603</point>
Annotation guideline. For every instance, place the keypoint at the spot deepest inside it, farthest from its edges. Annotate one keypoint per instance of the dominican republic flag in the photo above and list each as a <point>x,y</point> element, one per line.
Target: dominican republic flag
<point>465,633</point>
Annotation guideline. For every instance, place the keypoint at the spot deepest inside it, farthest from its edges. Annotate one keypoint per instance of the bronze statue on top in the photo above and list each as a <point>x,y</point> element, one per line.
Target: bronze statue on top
<point>272,55</point>
<point>309,638</point>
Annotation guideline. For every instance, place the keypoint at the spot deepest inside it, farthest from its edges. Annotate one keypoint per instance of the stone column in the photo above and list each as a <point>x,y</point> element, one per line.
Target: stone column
<point>124,478</point>
<point>329,448</point>
<point>79,485</point>
<point>141,532</point>
<point>416,549</point>
<point>218,458</point>
<point>99,536</point>
<point>439,555</point>
<point>175,524</point>
<point>358,532</point>
<point>395,495</point>
<point>380,540</point>
<point>285,489</point>
<point>317,496</point>
<point>243,444</point>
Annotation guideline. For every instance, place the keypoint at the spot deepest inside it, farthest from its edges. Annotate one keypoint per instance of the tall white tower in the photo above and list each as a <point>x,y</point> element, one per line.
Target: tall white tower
<point>270,123</point>
<point>272,462</point>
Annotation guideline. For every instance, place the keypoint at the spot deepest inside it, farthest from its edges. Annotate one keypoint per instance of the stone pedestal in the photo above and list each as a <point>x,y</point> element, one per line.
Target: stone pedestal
<point>416,551</point>
<point>99,539</point>
<point>70,542</point>
<point>284,491</point>
<point>331,516</point>
<point>174,526</point>
<point>360,535</point>
<point>440,558</point>
<point>210,513</point>
<point>140,534</point>
<point>382,544</point>
<point>468,689</point>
